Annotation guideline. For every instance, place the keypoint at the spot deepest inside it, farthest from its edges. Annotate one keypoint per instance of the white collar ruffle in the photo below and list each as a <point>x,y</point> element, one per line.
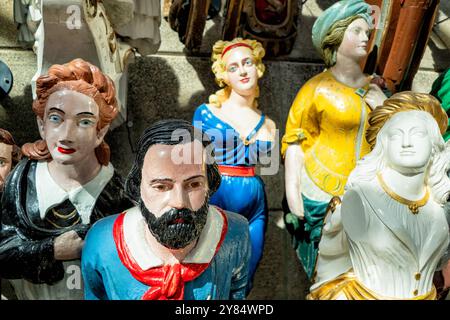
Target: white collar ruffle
<point>83,198</point>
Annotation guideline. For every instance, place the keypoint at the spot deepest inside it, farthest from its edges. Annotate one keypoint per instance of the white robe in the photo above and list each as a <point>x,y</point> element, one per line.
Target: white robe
<point>393,252</point>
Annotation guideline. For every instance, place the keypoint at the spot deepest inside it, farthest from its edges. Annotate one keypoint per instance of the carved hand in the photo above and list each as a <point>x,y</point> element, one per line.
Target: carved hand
<point>68,246</point>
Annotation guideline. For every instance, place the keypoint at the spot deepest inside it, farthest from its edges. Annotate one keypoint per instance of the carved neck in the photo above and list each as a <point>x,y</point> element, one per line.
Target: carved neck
<point>348,71</point>
<point>168,256</point>
<point>409,186</point>
<point>70,176</point>
<point>241,101</point>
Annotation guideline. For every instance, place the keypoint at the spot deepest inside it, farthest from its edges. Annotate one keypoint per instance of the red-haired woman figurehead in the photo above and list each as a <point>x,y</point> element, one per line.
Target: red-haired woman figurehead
<point>65,184</point>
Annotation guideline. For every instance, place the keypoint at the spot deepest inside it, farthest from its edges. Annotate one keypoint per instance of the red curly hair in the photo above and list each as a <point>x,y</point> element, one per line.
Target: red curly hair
<point>83,77</point>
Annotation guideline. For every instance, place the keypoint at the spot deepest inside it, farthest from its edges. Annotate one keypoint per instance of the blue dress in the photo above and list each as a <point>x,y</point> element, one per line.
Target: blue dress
<point>243,195</point>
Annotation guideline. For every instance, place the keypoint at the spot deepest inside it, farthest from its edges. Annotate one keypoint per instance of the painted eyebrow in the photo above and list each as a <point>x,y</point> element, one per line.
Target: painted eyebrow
<point>170,180</point>
<point>85,114</point>
<point>194,177</point>
<point>3,158</point>
<point>161,180</point>
<point>236,63</point>
<point>358,28</point>
<point>398,130</point>
<point>232,64</point>
<point>57,110</point>
<point>413,129</point>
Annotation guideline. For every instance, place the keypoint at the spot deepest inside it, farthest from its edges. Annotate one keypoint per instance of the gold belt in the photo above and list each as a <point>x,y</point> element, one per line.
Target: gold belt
<point>349,285</point>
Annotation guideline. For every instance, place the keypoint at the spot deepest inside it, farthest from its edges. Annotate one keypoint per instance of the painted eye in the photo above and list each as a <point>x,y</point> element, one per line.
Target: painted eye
<point>420,134</point>
<point>2,163</point>
<point>161,187</point>
<point>249,62</point>
<point>54,118</point>
<point>357,31</point>
<point>196,184</point>
<point>394,136</point>
<point>86,123</point>
<point>232,69</point>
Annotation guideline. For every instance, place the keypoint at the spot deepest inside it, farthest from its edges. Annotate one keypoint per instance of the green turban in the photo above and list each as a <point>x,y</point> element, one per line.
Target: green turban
<point>338,11</point>
<point>441,90</point>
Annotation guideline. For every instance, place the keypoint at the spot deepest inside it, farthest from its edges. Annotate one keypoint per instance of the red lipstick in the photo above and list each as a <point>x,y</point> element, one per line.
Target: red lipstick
<point>245,80</point>
<point>66,151</point>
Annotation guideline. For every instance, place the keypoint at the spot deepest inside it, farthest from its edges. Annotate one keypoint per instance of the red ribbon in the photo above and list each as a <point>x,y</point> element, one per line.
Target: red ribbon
<point>235,45</point>
<point>166,282</point>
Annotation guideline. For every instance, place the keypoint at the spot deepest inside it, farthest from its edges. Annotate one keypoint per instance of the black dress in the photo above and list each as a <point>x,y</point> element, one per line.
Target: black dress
<point>26,240</point>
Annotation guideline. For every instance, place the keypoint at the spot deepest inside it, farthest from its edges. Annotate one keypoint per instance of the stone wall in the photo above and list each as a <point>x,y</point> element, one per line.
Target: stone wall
<point>173,84</point>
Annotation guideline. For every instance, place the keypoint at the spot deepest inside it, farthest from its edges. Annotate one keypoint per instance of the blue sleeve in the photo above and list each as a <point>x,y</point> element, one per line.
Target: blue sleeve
<point>94,288</point>
<point>239,280</point>
<point>197,120</point>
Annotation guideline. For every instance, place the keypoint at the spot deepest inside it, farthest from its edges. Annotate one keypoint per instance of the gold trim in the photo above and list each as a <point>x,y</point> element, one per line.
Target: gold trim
<point>247,142</point>
<point>62,216</point>
<point>349,286</point>
<point>59,227</point>
<point>413,206</point>
<point>327,180</point>
<point>91,7</point>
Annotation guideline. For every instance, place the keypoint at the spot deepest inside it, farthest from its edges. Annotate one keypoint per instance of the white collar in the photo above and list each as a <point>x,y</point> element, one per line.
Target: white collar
<point>83,198</point>
<point>134,227</point>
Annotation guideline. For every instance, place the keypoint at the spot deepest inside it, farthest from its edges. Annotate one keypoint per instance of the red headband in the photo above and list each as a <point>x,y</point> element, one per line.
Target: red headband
<point>234,45</point>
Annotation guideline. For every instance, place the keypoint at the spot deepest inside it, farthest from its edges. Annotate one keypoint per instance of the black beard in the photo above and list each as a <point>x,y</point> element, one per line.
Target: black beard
<point>176,235</point>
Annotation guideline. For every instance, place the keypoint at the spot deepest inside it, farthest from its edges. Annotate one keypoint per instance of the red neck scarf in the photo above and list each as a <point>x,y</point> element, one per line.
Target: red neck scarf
<point>166,282</point>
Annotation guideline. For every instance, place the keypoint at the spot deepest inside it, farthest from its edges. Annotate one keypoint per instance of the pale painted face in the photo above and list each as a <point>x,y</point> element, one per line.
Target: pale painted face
<point>241,72</point>
<point>69,127</point>
<point>356,38</point>
<point>5,162</point>
<point>408,144</point>
<point>166,184</point>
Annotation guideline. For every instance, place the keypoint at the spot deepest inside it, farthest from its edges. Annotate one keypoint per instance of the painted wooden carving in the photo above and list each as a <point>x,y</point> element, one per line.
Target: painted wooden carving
<point>63,186</point>
<point>391,233</point>
<point>173,245</point>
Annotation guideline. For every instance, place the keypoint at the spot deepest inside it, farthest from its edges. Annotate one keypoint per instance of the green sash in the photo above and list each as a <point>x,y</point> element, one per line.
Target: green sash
<point>306,233</point>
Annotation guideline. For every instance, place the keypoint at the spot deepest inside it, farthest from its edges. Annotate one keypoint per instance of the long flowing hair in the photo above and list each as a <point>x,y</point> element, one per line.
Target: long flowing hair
<point>436,172</point>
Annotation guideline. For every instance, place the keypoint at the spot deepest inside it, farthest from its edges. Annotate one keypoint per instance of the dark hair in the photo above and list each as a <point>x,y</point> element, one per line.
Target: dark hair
<point>163,132</point>
<point>7,138</point>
